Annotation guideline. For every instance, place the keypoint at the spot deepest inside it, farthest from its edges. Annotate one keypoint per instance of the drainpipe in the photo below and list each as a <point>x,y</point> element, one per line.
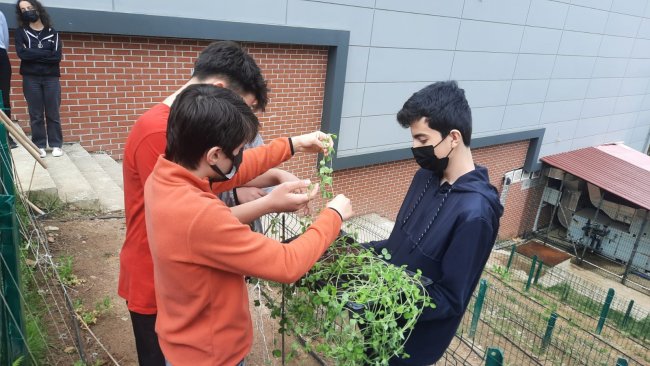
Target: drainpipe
<point>634,249</point>
<point>600,203</point>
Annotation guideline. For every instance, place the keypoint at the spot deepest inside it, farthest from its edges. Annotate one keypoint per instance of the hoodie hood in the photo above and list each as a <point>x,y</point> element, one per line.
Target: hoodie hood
<point>478,181</point>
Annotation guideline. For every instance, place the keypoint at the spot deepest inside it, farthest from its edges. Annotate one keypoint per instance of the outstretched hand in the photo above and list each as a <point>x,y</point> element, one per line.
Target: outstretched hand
<point>289,196</point>
<point>315,142</point>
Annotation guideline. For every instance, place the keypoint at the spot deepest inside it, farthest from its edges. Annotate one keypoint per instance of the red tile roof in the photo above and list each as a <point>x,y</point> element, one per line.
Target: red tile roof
<point>615,168</point>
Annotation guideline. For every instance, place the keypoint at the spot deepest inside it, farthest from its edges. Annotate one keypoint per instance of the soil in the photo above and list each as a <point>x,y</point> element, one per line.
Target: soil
<point>94,244</point>
<point>550,256</point>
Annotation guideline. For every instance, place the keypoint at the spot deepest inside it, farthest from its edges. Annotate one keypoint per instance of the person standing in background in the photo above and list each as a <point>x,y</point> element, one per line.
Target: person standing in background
<point>5,71</point>
<point>39,48</point>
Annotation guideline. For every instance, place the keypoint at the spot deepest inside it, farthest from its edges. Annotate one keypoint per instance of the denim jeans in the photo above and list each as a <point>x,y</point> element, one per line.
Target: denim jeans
<point>43,96</point>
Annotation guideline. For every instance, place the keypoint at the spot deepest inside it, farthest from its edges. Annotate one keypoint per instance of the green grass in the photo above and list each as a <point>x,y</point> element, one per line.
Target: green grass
<point>638,329</point>
<point>37,342</point>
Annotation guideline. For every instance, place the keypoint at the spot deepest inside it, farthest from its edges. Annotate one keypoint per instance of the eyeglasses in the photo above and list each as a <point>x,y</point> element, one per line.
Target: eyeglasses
<point>29,8</point>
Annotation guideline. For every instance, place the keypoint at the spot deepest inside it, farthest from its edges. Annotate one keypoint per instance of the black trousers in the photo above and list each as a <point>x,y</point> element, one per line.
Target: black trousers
<point>5,86</point>
<point>146,340</point>
<point>5,81</point>
<point>43,95</point>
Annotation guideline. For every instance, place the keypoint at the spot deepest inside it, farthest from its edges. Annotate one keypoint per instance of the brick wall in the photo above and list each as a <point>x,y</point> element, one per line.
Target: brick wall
<point>108,81</point>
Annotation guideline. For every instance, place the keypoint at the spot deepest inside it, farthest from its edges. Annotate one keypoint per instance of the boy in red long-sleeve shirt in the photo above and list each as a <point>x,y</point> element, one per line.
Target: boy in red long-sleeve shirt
<point>201,252</point>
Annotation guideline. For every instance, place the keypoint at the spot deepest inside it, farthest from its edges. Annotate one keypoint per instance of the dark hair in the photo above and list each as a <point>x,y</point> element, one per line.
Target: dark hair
<point>228,60</point>
<point>445,107</point>
<point>42,13</point>
<point>204,116</point>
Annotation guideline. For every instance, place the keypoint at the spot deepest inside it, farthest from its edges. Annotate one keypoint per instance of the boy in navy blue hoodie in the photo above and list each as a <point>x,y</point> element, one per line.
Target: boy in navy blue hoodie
<point>449,219</point>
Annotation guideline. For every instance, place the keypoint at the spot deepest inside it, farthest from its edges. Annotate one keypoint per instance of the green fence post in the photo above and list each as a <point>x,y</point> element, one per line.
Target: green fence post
<point>549,331</point>
<point>531,273</point>
<point>12,344</point>
<point>512,255</point>
<point>494,357</point>
<point>621,362</point>
<point>539,270</point>
<point>478,305</point>
<point>605,310</point>
<point>626,318</point>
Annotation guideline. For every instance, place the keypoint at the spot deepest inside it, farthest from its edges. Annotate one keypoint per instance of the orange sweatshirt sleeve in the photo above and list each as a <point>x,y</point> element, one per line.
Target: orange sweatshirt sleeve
<point>217,239</point>
<point>255,162</point>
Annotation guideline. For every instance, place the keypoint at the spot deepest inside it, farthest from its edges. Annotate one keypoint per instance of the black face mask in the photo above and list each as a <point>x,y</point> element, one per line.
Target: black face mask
<point>236,162</point>
<point>426,157</point>
<point>30,16</point>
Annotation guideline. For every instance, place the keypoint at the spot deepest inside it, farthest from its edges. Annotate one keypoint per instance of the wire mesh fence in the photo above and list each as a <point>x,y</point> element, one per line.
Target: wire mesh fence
<point>587,307</point>
<point>50,329</point>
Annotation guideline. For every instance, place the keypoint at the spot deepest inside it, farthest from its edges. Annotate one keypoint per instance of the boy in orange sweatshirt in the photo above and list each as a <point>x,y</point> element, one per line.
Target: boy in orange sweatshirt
<point>200,251</point>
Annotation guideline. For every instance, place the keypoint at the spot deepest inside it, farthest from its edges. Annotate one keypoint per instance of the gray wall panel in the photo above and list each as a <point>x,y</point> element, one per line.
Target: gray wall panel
<point>615,136</point>
<point>641,48</point>
<point>560,131</point>
<point>605,87</point>
<point>385,65</point>
<point>76,4</point>
<point>357,64</point>
<point>522,115</point>
<point>567,89</point>
<point>644,29</point>
<point>598,4</point>
<point>628,104</point>
<point>486,93</point>
<point>487,119</point>
<point>504,11</point>
<point>632,7</point>
<point>483,66</point>
<point>609,67</point>
<point>638,67</point>
<point>633,86</point>
<point>352,99</point>
<point>387,98</point>
<point>555,147</point>
<point>622,25</point>
<point>320,15</point>
<point>579,143</point>
<point>450,8</point>
<point>491,37</point>
<point>349,133</point>
<point>528,91</point>
<point>252,11</point>
<point>579,44</point>
<point>561,111</point>
<point>622,122</point>
<point>643,118</point>
<point>573,67</point>
<point>361,3</point>
<point>382,130</point>
<point>534,66</point>
<point>598,107</point>
<point>406,30</point>
<point>585,19</point>
<point>616,46</point>
<point>541,40</point>
<point>592,126</point>
<point>547,13</point>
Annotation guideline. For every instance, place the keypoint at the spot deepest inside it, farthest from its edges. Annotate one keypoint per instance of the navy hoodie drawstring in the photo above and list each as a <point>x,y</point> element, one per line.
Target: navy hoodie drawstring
<point>417,203</point>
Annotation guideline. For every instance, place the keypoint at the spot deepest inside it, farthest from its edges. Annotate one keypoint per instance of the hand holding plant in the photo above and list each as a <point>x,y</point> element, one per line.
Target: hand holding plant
<point>314,142</point>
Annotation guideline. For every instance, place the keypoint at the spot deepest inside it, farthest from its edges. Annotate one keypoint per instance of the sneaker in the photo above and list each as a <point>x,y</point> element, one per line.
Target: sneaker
<point>42,153</point>
<point>56,152</point>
